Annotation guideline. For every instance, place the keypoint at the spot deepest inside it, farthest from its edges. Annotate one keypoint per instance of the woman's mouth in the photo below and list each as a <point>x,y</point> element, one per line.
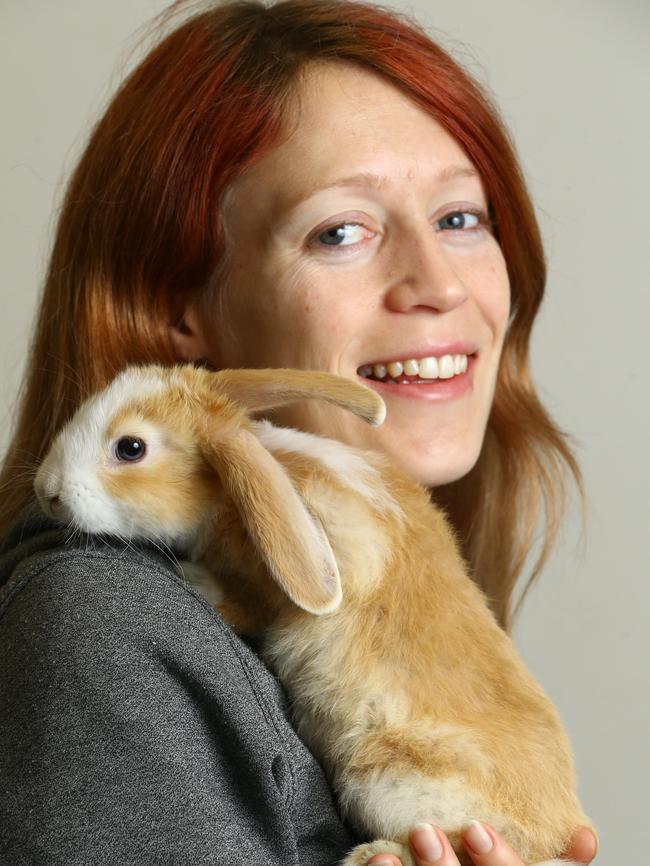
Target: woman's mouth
<point>431,378</point>
<point>414,371</point>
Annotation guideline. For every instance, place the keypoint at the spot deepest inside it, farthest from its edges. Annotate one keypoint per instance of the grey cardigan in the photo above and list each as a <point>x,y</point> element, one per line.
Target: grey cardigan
<point>135,726</point>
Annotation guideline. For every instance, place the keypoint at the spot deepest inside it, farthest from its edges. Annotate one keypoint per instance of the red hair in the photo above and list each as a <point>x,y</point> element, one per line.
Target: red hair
<point>140,230</point>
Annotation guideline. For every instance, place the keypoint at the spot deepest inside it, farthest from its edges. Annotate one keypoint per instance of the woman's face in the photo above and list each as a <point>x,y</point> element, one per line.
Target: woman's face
<point>362,242</point>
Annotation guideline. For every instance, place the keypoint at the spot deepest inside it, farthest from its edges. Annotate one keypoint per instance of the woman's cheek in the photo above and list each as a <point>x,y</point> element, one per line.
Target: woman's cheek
<point>319,302</point>
<point>493,293</point>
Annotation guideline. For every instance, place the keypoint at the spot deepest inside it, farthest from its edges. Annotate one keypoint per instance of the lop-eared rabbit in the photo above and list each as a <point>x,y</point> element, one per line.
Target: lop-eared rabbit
<point>401,682</point>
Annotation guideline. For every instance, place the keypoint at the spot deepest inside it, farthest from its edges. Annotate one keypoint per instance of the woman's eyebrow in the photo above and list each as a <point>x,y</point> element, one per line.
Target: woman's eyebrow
<point>365,178</point>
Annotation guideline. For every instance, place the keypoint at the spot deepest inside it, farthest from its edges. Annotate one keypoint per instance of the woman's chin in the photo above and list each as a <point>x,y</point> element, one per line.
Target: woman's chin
<point>432,460</point>
<point>433,469</point>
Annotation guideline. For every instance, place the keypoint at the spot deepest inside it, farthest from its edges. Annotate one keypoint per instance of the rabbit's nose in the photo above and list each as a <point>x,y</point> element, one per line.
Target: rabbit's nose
<point>53,502</point>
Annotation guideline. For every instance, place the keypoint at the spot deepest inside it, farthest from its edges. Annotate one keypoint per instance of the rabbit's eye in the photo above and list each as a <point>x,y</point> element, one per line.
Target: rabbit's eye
<point>130,448</point>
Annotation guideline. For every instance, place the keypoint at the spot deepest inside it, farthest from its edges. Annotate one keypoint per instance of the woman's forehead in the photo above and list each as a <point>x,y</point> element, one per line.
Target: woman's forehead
<point>349,127</point>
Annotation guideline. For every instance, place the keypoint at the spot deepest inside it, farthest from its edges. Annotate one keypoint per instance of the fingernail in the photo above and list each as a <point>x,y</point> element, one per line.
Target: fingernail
<point>478,838</point>
<point>426,843</point>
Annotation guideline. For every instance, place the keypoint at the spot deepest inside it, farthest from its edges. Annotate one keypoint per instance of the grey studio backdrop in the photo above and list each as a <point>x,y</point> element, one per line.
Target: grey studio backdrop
<point>572,79</point>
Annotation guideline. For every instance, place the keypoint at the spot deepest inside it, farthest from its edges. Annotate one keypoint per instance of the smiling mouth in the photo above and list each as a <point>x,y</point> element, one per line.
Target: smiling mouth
<point>413,372</point>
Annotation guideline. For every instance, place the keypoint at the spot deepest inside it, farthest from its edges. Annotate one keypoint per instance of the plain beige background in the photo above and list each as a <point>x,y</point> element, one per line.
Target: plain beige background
<point>572,78</point>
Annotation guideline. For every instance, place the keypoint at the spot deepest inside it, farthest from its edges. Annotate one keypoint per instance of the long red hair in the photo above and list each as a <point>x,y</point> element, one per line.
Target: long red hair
<point>141,228</point>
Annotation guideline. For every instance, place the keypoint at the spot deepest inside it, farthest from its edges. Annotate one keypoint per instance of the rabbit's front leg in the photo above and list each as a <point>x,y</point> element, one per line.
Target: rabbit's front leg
<point>202,580</point>
<point>217,590</point>
<point>360,855</point>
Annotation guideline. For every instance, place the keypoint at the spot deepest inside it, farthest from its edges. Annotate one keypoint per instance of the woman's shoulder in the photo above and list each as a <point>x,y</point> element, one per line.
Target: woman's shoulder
<point>85,589</point>
<point>104,577</point>
<point>118,681</point>
<point>115,610</point>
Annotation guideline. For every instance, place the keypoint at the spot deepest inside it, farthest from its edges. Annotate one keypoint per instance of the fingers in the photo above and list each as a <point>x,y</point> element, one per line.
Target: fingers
<point>487,848</point>
<point>384,860</point>
<point>429,847</point>
<point>582,847</point>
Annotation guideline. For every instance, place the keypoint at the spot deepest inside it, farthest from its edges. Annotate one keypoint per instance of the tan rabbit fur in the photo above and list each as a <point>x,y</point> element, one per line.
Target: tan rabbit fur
<point>401,681</point>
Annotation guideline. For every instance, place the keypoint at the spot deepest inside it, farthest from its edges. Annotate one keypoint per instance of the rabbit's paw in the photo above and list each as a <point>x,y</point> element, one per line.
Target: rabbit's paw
<point>360,855</point>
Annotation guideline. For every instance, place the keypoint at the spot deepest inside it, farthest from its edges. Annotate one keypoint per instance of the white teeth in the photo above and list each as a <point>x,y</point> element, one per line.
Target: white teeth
<point>446,365</point>
<point>429,368</point>
<point>426,368</point>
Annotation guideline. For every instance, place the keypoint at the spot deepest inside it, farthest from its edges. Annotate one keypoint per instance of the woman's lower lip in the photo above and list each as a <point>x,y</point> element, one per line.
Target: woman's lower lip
<point>436,389</point>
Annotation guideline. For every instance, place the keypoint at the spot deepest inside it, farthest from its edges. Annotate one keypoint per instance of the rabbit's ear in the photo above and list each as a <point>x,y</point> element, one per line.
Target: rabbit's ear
<point>290,540</point>
<point>257,390</point>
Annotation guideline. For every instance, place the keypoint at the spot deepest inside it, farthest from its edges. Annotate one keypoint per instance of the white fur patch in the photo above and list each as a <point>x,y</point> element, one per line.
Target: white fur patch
<point>347,464</point>
<point>133,383</point>
<point>71,469</point>
<point>388,805</point>
<point>557,863</point>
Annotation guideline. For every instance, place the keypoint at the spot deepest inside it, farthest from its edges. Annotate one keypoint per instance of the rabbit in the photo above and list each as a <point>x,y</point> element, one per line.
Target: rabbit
<point>400,679</point>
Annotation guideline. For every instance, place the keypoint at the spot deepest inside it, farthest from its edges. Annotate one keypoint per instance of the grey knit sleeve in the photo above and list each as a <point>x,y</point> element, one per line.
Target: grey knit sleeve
<point>138,729</point>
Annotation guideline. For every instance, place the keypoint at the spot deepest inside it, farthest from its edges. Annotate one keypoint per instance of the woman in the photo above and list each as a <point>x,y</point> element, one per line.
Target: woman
<point>311,185</point>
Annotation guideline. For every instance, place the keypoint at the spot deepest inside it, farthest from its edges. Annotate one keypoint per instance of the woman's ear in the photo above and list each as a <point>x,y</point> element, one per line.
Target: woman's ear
<point>186,334</point>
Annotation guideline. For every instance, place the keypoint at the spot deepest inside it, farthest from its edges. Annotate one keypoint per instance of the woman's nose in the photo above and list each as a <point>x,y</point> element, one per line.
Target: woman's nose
<point>422,274</point>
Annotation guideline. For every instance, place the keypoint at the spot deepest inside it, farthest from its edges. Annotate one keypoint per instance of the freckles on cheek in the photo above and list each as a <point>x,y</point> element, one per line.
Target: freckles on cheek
<point>318,302</point>
<point>317,321</point>
<point>493,288</point>
<point>319,324</point>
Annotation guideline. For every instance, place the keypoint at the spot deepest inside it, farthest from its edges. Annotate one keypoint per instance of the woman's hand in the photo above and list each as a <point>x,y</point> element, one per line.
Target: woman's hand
<point>430,846</point>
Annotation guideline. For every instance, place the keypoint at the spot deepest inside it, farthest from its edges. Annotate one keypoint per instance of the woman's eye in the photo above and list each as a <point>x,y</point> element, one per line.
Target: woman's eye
<point>343,235</point>
<point>461,220</point>
<point>352,234</point>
